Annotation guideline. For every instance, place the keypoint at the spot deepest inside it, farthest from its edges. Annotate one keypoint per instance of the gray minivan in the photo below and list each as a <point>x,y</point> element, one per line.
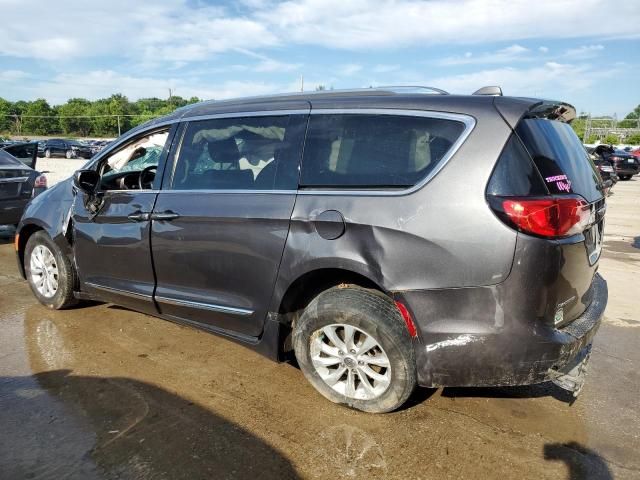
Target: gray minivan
<point>386,237</point>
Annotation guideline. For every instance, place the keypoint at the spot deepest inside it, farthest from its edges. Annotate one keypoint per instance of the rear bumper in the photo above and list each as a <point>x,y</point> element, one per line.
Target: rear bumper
<point>470,353</point>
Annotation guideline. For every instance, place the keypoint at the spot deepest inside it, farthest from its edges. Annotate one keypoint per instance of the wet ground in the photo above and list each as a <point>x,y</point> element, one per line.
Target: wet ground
<point>102,392</point>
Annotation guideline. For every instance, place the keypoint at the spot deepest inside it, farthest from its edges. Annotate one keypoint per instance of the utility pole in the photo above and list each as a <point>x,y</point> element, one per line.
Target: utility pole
<point>118,117</point>
<point>302,83</point>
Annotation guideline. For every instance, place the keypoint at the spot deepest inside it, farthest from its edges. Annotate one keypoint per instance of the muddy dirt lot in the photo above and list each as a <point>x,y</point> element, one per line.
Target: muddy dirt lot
<point>103,392</point>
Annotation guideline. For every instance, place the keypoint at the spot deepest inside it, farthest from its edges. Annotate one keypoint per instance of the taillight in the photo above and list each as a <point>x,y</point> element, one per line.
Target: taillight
<point>40,182</point>
<point>550,217</point>
<point>615,159</point>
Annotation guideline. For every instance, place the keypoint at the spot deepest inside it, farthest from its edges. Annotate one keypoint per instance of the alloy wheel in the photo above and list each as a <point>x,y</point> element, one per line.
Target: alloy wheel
<point>350,361</point>
<point>44,271</point>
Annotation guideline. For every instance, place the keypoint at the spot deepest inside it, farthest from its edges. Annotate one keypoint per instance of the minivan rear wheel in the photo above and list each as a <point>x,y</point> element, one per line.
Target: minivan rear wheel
<point>353,347</point>
<point>50,273</point>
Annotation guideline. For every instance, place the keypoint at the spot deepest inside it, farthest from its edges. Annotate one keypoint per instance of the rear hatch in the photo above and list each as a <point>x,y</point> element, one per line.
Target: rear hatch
<point>545,185</point>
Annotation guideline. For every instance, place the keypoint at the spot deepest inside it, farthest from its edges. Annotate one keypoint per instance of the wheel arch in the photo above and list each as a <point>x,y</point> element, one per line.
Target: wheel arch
<point>308,285</point>
<point>304,288</point>
<point>26,232</point>
<point>32,226</point>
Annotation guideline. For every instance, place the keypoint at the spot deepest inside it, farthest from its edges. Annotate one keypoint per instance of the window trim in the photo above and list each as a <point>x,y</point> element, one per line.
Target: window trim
<point>181,122</point>
<point>469,124</point>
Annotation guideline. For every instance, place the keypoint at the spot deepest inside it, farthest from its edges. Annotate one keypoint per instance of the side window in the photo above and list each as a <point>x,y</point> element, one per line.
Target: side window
<point>134,166</point>
<point>254,153</point>
<point>374,151</point>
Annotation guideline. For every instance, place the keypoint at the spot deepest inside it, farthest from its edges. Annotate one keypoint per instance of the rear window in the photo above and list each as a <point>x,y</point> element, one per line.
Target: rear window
<point>374,151</point>
<point>7,160</point>
<point>560,157</point>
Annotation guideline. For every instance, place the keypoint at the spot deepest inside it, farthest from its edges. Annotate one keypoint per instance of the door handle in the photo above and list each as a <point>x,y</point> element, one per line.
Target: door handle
<point>139,216</point>
<point>165,216</point>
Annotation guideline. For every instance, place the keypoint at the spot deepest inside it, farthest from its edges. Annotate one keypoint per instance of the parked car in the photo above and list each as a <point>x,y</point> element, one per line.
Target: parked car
<point>386,239</point>
<point>18,185</point>
<point>624,163</point>
<point>58,147</point>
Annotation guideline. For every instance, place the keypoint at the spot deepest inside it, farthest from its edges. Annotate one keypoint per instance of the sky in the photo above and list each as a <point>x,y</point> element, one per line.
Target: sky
<point>585,52</point>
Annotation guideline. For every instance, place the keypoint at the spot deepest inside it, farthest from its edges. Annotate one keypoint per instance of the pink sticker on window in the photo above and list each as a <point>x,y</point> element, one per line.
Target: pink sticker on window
<point>562,182</point>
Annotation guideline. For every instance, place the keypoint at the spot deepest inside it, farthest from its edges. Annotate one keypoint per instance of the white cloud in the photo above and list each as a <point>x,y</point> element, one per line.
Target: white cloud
<point>543,49</point>
<point>362,24</point>
<point>513,53</point>
<point>349,69</point>
<point>382,68</point>
<point>156,31</point>
<point>547,80</point>
<point>103,83</point>
<point>585,51</point>
<point>12,75</point>
<point>146,30</point>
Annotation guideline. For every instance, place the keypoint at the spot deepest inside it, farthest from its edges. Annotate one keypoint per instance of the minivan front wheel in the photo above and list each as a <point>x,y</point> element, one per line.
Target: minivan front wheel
<point>49,272</point>
<point>353,346</point>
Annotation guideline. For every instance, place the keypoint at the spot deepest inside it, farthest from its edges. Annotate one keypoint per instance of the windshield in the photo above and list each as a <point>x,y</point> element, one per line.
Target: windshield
<point>560,158</point>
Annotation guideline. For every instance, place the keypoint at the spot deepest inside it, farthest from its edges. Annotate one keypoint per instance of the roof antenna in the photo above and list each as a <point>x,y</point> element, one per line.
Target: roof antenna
<point>491,90</point>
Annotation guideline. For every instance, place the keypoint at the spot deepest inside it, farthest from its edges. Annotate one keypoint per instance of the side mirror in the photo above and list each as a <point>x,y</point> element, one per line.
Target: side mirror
<point>86,181</point>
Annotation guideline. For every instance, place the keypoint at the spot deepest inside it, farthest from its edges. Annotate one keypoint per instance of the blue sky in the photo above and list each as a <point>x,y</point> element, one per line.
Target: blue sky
<point>585,52</point>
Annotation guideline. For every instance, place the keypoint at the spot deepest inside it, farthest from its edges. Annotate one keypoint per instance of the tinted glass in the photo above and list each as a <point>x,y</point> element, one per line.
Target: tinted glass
<point>560,157</point>
<point>6,160</point>
<point>256,153</point>
<point>369,151</point>
<point>515,173</point>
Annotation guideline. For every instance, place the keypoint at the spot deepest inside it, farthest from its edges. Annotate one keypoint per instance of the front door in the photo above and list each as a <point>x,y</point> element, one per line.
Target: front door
<point>112,229</point>
<point>222,219</point>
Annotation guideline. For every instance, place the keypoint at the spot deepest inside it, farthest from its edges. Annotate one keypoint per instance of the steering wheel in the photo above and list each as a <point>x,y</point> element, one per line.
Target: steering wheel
<point>146,177</point>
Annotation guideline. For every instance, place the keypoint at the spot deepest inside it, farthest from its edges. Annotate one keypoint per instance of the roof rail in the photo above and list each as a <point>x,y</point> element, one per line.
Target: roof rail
<point>412,89</point>
<point>491,90</point>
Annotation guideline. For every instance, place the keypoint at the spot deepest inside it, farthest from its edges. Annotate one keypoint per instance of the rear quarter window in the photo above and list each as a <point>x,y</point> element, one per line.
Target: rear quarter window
<point>374,151</point>
<point>560,157</point>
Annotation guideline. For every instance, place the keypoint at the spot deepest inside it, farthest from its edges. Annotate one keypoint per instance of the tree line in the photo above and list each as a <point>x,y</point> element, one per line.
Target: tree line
<point>106,117</point>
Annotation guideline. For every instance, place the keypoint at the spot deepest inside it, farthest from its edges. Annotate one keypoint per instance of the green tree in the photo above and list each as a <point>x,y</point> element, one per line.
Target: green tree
<point>73,117</point>
<point>36,118</point>
<point>6,109</point>
<point>611,139</point>
<point>110,116</point>
<point>633,139</point>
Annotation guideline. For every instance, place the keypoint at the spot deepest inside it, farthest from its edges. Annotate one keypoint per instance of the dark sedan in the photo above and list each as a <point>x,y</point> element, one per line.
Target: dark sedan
<point>624,164</point>
<point>18,184</point>
<point>59,147</point>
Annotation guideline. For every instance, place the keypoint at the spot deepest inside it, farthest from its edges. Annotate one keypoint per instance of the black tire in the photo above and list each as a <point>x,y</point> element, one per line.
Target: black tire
<point>69,154</point>
<point>377,316</point>
<point>47,153</point>
<point>63,297</point>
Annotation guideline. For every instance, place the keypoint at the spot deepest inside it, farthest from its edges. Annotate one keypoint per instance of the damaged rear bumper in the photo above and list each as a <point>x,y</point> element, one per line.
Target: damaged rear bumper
<point>509,351</point>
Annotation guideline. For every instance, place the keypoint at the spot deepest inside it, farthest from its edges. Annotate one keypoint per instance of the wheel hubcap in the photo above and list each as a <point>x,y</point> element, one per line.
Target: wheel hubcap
<point>350,361</point>
<point>44,271</point>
